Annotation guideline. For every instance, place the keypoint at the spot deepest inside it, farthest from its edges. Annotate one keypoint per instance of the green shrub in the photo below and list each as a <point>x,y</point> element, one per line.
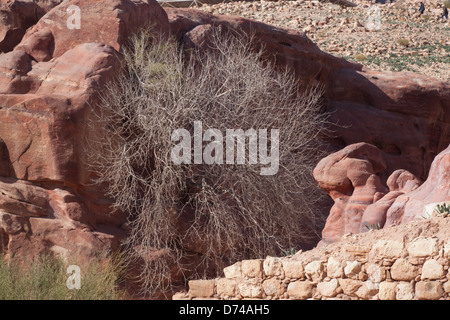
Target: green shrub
<point>374,226</point>
<point>290,252</point>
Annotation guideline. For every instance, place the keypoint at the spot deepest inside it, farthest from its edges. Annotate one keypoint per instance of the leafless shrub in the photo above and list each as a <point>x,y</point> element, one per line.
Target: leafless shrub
<point>225,212</point>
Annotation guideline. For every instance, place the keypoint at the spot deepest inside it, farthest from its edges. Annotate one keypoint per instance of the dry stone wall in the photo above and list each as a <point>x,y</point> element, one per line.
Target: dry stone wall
<point>380,268</point>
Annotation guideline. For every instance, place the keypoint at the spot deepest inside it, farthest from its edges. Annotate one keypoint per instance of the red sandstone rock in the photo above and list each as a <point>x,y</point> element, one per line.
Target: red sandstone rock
<point>16,18</point>
<point>349,176</point>
<point>420,202</point>
<point>47,84</point>
<point>107,22</point>
<point>400,182</point>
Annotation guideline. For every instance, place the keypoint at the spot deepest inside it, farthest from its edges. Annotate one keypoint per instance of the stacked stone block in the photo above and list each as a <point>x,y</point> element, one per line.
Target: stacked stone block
<point>387,270</point>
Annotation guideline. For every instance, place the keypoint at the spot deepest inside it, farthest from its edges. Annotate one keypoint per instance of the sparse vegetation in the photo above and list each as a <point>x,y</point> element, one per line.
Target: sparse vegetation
<point>322,34</point>
<point>290,251</point>
<point>360,57</point>
<point>442,210</point>
<point>45,278</point>
<point>229,212</point>
<point>398,21</point>
<point>410,61</point>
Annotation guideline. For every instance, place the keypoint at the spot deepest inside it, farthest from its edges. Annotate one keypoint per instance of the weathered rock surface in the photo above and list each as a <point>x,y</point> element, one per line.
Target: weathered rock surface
<point>406,115</point>
<point>48,84</point>
<point>399,182</point>
<point>19,15</point>
<point>106,22</point>
<point>362,203</point>
<point>16,18</point>
<point>421,202</point>
<point>350,177</point>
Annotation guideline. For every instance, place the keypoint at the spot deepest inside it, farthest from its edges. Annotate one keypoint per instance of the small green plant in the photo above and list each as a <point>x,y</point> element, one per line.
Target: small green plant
<point>403,42</point>
<point>374,226</point>
<point>447,4</point>
<point>290,251</point>
<point>442,210</point>
<point>426,17</point>
<point>427,215</point>
<point>360,57</point>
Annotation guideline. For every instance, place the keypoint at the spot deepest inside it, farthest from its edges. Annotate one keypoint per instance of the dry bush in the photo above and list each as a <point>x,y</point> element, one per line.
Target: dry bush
<point>226,212</point>
<point>403,42</point>
<point>360,57</point>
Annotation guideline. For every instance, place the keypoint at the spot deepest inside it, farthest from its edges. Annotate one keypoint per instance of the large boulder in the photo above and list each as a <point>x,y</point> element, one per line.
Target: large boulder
<point>16,16</point>
<point>400,182</point>
<point>105,22</point>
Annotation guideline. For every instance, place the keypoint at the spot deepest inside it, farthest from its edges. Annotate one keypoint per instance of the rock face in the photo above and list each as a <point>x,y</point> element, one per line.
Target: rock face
<point>362,203</point>
<point>420,202</point>
<point>34,220</point>
<point>16,18</point>
<point>110,23</point>
<point>19,15</point>
<point>350,177</point>
<point>48,85</point>
<point>393,111</point>
<point>400,182</point>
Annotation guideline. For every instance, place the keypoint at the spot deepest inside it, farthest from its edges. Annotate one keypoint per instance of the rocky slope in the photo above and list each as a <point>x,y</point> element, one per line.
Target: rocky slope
<point>404,41</point>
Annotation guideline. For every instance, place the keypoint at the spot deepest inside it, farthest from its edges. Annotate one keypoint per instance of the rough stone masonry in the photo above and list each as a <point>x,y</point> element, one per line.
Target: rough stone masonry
<point>408,262</point>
